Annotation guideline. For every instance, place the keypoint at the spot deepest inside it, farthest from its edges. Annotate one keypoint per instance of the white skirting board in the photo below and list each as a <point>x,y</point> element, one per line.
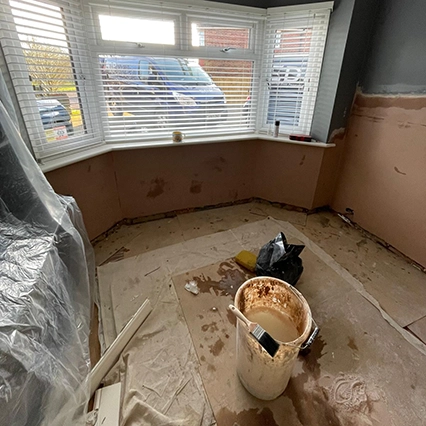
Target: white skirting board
<point>107,405</point>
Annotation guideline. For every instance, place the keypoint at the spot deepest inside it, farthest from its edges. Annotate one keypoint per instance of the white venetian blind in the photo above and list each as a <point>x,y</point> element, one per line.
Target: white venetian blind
<point>44,44</point>
<point>160,73</point>
<point>294,49</point>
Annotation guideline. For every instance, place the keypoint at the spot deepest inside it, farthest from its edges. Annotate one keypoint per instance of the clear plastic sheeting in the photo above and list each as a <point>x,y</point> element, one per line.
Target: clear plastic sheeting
<point>46,282</point>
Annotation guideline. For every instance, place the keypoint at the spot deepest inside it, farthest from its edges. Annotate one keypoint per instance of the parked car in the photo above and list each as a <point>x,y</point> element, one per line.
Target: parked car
<point>162,90</point>
<point>55,118</point>
<point>286,86</point>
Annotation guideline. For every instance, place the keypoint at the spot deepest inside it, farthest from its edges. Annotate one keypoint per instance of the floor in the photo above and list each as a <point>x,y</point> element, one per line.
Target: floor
<point>349,275</point>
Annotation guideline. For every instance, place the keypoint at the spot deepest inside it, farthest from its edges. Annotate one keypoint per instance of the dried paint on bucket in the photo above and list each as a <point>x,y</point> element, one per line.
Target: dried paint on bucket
<point>284,313</point>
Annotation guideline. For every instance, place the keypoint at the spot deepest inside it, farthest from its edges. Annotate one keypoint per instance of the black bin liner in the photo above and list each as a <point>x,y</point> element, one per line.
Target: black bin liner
<point>280,260</point>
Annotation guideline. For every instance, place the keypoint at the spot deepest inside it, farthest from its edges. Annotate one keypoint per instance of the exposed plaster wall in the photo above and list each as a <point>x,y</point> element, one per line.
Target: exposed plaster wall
<point>92,183</point>
<point>383,173</point>
<point>287,173</point>
<point>159,180</point>
<point>134,183</point>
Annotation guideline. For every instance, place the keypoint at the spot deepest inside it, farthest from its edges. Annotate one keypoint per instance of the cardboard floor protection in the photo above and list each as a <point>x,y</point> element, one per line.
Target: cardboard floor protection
<point>364,369</point>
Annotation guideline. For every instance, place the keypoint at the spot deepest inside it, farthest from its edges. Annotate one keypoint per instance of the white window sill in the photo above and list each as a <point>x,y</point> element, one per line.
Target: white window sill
<point>84,154</point>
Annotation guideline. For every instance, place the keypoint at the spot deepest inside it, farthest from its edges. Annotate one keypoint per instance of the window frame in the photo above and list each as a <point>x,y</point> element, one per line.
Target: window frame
<point>93,103</point>
<point>182,49</point>
<point>276,15</point>
<point>128,46</point>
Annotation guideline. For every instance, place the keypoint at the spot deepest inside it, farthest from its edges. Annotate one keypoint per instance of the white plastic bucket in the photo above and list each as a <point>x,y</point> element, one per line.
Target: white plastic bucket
<point>264,376</point>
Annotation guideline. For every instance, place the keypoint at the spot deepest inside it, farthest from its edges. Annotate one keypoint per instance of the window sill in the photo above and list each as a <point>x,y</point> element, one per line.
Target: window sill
<point>84,154</point>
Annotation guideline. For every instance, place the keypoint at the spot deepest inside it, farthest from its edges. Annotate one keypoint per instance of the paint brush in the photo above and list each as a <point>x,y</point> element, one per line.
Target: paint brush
<point>265,340</point>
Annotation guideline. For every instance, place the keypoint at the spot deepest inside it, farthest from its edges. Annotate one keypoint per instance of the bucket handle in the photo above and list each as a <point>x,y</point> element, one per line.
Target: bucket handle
<point>311,338</point>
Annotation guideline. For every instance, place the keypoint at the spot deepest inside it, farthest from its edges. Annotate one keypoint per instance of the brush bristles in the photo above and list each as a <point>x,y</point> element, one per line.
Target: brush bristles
<point>265,340</point>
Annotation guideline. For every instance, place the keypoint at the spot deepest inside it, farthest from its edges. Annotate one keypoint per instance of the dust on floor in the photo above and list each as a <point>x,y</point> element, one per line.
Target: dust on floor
<point>355,373</point>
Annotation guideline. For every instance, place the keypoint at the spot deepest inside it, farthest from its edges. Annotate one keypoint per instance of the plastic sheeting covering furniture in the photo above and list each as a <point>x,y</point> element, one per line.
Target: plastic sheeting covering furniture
<point>46,282</point>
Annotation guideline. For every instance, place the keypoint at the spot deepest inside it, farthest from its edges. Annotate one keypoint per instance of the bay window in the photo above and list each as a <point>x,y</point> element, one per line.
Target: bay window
<point>87,73</point>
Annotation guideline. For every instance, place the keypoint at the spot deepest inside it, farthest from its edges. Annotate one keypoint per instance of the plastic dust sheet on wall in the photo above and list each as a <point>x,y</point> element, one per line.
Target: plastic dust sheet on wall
<point>46,282</point>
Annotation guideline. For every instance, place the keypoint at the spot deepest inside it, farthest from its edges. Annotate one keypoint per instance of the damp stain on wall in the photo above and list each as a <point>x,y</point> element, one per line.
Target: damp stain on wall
<point>196,187</point>
<point>156,188</point>
<point>216,163</point>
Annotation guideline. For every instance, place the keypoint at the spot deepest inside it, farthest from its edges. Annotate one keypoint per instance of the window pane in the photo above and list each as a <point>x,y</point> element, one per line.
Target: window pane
<point>287,78</point>
<point>118,28</point>
<point>286,86</point>
<point>294,48</point>
<point>208,35</point>
<point>155,95</point>
<point>42,33</point>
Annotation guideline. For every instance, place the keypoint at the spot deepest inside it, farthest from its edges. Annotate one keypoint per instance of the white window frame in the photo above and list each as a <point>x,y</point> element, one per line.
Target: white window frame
<point>183,14</point>
<point>183,44</point>
<point>273,14</point>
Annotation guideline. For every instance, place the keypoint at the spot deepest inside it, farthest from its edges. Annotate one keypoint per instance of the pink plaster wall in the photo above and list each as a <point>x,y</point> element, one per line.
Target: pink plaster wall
<point>329,173</point>
<point>141,182</point>
<point>287,173</point>
<point>159,180</point>
<point>383,173</point>
<point>92,183</point>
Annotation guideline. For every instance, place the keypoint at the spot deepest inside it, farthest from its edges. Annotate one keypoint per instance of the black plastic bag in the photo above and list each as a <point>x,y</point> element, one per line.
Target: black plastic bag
<point>280,260</point>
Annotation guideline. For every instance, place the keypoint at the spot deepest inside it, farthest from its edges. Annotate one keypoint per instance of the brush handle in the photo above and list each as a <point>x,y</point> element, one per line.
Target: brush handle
<point>239,315</point>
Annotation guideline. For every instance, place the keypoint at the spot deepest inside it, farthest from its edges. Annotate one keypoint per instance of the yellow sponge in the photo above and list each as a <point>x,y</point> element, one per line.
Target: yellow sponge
<point>247,260</point>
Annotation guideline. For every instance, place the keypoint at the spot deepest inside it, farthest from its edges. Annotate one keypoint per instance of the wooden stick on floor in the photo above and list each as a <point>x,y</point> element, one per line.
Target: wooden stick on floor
<point>111,355</point>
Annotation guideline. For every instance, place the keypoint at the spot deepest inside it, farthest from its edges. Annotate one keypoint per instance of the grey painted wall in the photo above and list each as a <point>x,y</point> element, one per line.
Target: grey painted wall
<point>331,69</point>
<point>351,27</point>
<point>397,57</point>
<point>358,39</point>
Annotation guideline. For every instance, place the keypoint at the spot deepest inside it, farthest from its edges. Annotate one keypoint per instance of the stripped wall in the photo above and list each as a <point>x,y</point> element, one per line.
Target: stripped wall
<point>92,183</point>
<point>142,182</point>
<point>160,180</point>
<point>383,171</point>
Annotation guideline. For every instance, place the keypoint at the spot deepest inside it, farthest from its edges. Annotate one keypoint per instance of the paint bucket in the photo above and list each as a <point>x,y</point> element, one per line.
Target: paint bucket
<point>263,376</point>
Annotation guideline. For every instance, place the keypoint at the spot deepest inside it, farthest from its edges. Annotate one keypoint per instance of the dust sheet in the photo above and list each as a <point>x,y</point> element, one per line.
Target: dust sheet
<point>159,368</point>
<point>356,373</point>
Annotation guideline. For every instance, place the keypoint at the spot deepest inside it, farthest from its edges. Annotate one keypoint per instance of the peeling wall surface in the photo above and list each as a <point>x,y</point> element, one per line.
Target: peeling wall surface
<point>383,171</point>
